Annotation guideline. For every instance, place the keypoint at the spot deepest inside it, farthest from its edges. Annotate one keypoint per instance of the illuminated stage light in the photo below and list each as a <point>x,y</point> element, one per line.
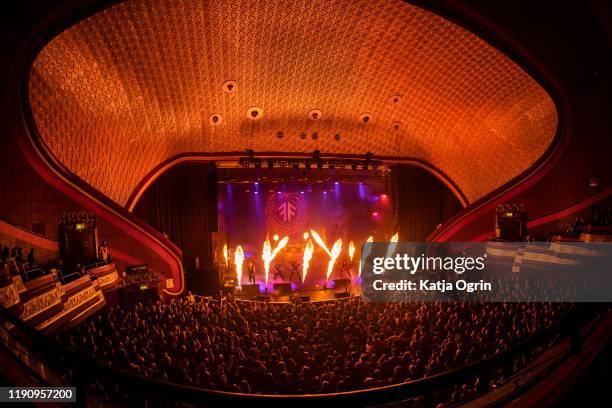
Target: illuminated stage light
<point>306,236</point>
<point>275,237</point>
<point>375,214</point>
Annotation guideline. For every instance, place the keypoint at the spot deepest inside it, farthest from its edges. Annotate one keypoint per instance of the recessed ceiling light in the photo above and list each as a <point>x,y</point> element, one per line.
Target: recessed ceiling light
<point>254,113</point>
<point>230,86</point>
<point>315,114</point>
<point>215,119</point>
<point>365,118</point>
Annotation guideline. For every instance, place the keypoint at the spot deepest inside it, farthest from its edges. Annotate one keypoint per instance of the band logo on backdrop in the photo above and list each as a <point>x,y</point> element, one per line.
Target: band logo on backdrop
<point>286,213</point>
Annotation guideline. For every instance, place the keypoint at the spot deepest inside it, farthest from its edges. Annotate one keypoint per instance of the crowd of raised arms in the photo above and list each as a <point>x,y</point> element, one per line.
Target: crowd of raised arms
<point>343,345</point>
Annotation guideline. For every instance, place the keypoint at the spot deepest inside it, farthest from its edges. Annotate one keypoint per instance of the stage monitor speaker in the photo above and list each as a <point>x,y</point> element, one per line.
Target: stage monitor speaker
<point>341,295</point>
<point>250,289</point>
<point>211,203</point>
<point>282,288</point>
<point>342,283</point>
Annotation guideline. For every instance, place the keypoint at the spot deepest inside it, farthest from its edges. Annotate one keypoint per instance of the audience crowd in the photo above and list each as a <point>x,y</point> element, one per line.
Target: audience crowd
<point>255,347</point>
<point>16,253</point>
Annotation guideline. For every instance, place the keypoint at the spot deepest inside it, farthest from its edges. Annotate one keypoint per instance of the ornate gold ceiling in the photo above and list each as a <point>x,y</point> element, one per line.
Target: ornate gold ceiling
<point>133,85</point>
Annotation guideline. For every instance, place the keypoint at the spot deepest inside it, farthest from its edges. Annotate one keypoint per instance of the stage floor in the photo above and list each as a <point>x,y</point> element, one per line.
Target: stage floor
<point>315,295</point>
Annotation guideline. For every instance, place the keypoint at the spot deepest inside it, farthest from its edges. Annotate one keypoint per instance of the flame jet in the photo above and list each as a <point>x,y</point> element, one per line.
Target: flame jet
<point>351,250</point>
<point>308,250</point>
<point>335,253</point>
<point>268,254</point>
<point>238,261</point>
<point>392,245</point>
<point>366,253</point>
<point>226,255</point>
<point>320,241</point>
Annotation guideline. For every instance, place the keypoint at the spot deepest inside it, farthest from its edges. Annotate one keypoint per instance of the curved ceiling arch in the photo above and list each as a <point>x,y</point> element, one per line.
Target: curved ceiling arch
<point>133,85</point>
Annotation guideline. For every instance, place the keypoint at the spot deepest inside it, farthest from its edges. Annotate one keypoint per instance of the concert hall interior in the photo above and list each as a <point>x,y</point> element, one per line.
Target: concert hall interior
<point>193,193</point>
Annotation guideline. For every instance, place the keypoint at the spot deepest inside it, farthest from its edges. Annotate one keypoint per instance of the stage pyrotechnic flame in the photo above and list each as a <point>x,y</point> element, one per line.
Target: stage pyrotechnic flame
<point>335,253</point>
<point>238,261</point>
<point>306,236</point>
<point>366,253</point>
<point>275,237</point>
<point>392,245</point>
<point>308,250</point>
<point>351,250</point>
<point>268,254</point>
<point>226,255</point>
<point>319,241</point>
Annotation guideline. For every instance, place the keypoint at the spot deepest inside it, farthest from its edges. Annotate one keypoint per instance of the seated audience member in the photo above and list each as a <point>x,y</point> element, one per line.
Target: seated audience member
<point>4,255</point>
<point>80,270</point>
<point>569,228</point>
<point>19,257</point>
<point>5,273</point>
<point>31,259</point>
<point>578,224</point>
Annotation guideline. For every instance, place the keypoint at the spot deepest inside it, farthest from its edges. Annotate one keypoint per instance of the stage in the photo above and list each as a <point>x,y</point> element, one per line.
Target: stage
<point>304,295</point>
<point>280,234</point>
